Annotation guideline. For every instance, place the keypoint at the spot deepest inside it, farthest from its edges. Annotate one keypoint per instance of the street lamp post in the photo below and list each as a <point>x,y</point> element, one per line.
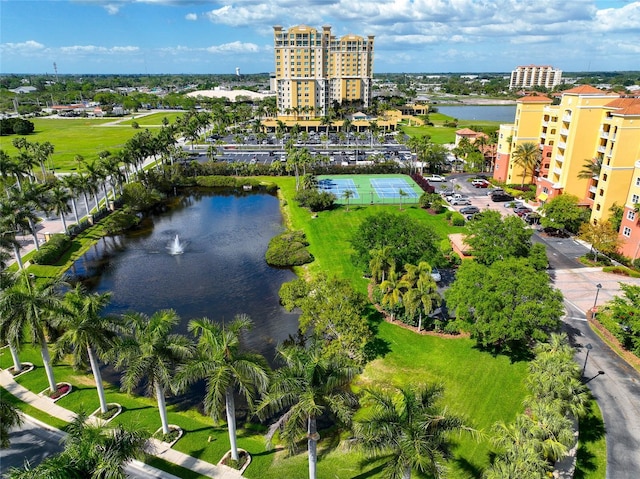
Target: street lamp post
<point>584,366</point>
<point>598,288</point>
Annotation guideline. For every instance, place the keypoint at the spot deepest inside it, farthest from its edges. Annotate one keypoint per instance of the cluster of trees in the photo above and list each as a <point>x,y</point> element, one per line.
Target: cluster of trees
<point>16,126</point>
<point>621,316</point>
<point>504,297</point>
<point>544,433</point>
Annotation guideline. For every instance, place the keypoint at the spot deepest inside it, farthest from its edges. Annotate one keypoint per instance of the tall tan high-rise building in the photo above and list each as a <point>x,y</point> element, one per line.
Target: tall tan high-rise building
<point>529,76</point>
<point>313,69</point>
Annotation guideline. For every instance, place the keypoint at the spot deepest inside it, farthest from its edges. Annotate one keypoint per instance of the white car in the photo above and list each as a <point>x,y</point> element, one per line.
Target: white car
<point>436,178</point>
<point>435,274</point>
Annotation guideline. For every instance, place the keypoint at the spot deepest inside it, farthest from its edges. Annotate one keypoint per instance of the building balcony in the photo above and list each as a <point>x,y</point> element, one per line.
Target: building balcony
<point>604,134</point>
<point>543,135</point>
<point>566,118</point>
<point>557,171</point>
<point>602,149</point>
<point>545,123</point>
<point>593,189</point>
<point>559,158</point>
<point>564,131</point>
<point>562,144</point>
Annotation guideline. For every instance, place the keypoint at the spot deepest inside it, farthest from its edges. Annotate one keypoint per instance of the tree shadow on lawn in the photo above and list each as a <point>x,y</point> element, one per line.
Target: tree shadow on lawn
<point>591,429</point>
<point>516,353</point>
<point>466,466</point>
<point>377,347</point>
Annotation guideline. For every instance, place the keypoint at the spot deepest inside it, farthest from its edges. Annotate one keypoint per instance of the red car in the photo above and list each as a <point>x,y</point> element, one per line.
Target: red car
<point>480,183</point>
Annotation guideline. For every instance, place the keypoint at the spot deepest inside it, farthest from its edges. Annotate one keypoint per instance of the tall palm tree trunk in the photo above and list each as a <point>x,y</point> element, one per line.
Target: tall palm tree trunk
<point>16,252</point>
<point>312,445</point>
<point>162,406</point>
<point>32,227</point>
<point>420,321</point>
<point>46,360</point>
<point>407,473</point>
<point>17,364</point>
<point>231,422</point>
<point>95,369</point>
<point>106,196</point>
<point>74,207</point>
<point>86,204</point>
<point>64,222</point>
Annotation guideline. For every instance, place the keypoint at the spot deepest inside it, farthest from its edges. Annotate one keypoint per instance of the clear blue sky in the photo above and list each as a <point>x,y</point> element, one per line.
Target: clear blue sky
<point>211,36</point>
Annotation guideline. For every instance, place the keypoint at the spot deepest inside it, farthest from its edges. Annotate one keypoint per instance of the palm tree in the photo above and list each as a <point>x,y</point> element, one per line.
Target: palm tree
<point>381,262</point>
<point>393,289</point>
<point>14,218</point>
<point>402,194</point>
<point>423,297</point>
<point>96,451</point>
<point>7,280</point>
<point>225,369</point>
<point>590,169</point>
<point>527,156</point>
<point>30,308</point>
<point>87,334</point>
<point>9,418</point>
<point>347,195</point>
<point>150,353</point>
<point>59,198</point>
<point>309,385</point>
<point>407,430</point>
<point>73,185</point>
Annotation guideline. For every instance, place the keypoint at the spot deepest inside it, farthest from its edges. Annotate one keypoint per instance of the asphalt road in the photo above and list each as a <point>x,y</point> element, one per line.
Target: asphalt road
<point>34,441</point>
<point>617,390</point>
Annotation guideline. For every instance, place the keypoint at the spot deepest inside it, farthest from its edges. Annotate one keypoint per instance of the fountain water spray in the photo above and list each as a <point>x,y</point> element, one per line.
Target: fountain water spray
<point>176,247</point>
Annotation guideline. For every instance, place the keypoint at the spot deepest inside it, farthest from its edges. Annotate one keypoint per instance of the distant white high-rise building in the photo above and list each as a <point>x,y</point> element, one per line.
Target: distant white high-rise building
<point>529,76</point>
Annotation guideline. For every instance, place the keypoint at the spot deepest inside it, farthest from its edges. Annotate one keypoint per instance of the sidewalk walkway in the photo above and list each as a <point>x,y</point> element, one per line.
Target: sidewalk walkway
<point>157,448</point>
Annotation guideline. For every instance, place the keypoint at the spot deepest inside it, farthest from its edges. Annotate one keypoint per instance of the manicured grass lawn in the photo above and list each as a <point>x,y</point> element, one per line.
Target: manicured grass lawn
<point>478,386</point>
<point>202,438</point>
<point>155,119</point>
<point>74,136</point>
<point>444,134</point>
<point>592,448</point>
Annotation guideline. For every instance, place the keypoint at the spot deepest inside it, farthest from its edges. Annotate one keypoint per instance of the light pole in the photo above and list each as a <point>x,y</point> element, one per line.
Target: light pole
<point>584,366</point>
<point>599,287</point>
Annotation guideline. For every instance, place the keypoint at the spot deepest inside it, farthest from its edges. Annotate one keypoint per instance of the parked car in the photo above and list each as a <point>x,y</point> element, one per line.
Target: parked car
<point>532,218</point>
<point>435,274</point>
<point>436,178</point>
<point>480,183</point>
<point>495,191</point>
<point>521,210</point>
<point>501,197</point>
<point>469,210</point>
<point>459,199</point>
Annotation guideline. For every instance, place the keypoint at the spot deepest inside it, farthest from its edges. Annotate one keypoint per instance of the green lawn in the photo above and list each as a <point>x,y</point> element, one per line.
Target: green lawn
<point>478,386</point>
<point>74,136</point>
<point>444,134</point>
<point>153,120</point>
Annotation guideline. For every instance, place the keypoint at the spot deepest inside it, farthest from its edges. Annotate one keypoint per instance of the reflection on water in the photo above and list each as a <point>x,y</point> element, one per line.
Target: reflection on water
<point>222,272</point>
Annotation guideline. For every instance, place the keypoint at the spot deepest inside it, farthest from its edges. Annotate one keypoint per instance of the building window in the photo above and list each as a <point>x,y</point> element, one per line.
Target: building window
<point>631,215</point>
<point>545,190</point>
<point>626,232</point>
<point>635,199</point>
<point>638,181</point>
<point>601,192</point>
<point>598,207</point>
<point>604,177</point>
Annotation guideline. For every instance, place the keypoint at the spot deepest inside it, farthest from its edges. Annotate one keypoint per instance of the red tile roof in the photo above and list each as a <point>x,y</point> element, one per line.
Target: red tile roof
<point>625,106</point>
<point>534,99</point>
<point>466,131</point>
<point>584,90</point>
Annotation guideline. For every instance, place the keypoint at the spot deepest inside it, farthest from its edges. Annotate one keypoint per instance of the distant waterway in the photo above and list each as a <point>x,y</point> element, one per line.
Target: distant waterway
<point>501,113</point>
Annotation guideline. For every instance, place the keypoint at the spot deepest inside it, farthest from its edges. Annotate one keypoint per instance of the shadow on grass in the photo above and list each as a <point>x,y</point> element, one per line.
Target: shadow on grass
<point>374,472</point>
<point>591,430</point>
<point>466,466</point>
<point>515,352</point>
<point>377,347</point>
<point>139,408</point>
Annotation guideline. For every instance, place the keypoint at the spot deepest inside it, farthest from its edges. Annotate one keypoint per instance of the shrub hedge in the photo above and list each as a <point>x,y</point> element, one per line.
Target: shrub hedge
<point>288,249</point>
<point>52,250</point>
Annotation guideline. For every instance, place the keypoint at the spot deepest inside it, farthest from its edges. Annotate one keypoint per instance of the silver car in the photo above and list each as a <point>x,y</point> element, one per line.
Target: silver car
<point>435,274</point>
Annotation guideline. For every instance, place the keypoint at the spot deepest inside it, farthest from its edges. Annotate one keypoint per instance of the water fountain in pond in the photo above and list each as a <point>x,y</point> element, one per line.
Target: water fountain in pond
<point>176,247</point>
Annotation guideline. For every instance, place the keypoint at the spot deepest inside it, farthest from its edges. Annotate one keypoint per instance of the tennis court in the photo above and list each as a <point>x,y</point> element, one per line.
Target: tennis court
<point>371,189</point>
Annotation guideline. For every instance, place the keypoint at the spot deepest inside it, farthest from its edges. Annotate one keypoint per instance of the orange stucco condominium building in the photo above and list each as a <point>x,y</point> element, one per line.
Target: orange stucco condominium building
<point>588,124</point>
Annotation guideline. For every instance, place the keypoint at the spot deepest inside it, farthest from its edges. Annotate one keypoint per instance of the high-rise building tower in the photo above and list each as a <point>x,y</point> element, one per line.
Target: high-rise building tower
<point>534,75</point>
<point>313,69</point>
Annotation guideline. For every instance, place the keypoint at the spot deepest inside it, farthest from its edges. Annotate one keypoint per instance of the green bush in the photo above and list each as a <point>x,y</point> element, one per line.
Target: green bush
<point>622,270</point>
<point>119,221</point>
<point>288,249</point>
<point>315,200</point>
<point>457,219</point>
<point>52,250</point>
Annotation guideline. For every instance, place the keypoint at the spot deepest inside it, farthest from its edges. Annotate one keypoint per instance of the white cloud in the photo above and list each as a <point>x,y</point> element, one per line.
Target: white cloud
<point>191,17</point>
<point>234,47</point>
<point>30,46</point>
<point>94,49</point>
